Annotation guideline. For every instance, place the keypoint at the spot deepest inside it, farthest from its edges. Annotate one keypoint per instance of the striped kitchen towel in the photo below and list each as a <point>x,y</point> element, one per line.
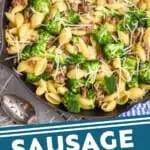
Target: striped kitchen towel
<point>138,110</point>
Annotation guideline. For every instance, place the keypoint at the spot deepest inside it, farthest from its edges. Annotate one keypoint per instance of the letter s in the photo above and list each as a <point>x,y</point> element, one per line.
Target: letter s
<point>17,145</point>
<point>71,141</point>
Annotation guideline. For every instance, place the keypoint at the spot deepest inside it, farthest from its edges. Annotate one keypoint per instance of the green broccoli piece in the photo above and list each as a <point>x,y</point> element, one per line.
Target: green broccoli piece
<point>110,84</point>
<point>32,78</point>
<point>144,72</point>
<point>72,17</point>
<point>130,64</point>
<point>75,85</point>
<point>76,59</point>
<point>44,35</point>
<point>109,12</point>
<point>30,50</point>
<point>72,102</point>
<point>26,52</point>
<point>132,20</point>
<point>134,82</point>
<point>148,22</point>
<point>111,51</point>
<point>53,26</point>
<point>92,66</point>
<point>40,45</point>
<point>75,40</point>
<point>40,5</point>
<point>102,35</point>
<point>91,95</point>
<point>39,49</point>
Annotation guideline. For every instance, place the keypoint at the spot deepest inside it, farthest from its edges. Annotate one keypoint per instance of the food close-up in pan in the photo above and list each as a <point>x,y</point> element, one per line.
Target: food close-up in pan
<point>83,54</point>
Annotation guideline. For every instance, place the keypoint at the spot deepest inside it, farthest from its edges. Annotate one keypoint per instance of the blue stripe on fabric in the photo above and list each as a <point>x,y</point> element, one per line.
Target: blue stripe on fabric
<point>141,109</point>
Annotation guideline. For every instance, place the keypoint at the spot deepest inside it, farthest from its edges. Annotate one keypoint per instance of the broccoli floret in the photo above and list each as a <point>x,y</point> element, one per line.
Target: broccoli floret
<point>73,17</point>
<point>109,84</point>
<point>53,26</point>
<point>40,45</point>
<point>44,35</point>
<point>132,20</point>
<point>72,102</point>
<point>102,35</point>
<point>32,78</point>
<point>91,95</point>
<point>109,12</point>
<point>76,59</point>
<point>26,52</point>
<point>92,66</point>
<point>134,82</point>
<point>75,85</point>
<point>40,5</point>
<point>60,58</point>
<point>148,22</point>
<point>144,72</point>
<point>111,51</point>
<point>75,40</point>
<point>130,64</point>
<point>31,50</point>
<point>39,49</point>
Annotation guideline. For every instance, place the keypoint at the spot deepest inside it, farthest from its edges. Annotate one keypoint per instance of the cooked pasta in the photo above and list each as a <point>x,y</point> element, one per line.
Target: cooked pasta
<point>83,54</point>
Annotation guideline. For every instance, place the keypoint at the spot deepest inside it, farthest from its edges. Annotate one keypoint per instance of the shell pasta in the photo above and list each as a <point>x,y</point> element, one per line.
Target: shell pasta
<point>82,54</point>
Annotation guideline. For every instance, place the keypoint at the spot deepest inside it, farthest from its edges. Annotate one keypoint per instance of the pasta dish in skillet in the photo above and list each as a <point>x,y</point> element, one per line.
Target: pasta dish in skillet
<point>82,53</point>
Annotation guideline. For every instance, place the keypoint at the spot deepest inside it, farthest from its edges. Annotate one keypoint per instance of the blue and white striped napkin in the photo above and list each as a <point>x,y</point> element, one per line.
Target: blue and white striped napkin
<point>138,110</point>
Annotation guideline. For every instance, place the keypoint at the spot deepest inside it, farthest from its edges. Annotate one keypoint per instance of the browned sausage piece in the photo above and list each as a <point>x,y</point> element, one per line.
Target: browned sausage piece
<point>50,67</point>
<point>60,78</point>
<point>20,2</point>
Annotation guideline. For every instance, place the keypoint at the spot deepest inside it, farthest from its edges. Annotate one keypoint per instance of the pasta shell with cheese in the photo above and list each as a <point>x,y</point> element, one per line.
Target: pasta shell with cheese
<point>62,90</point>
<point>40,66</point>
<point>125,75</point>
<point>76,73</point>
<point>83,49</point>
<point>19,20</point>
<point>147,36</point>
<point>86,103</point>
<point>17,8</point>
<point>140,52</point>
<point>51,88</point>
<point>61,6</point>
<point>42,88</point>
<point>136,93</point>
<point>11,17</point>
<point>124,37</point>
<point>78,32</point>
<point>123,98</point>
<point>65,36</point>
<point>53,98</point>
<point>109,106</point>
<point>37,19</point>
<point>25,67</point>
<point>23,30</point>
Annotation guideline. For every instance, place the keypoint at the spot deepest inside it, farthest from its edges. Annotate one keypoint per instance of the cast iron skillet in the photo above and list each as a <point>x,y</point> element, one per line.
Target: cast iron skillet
<point>85,114</point>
